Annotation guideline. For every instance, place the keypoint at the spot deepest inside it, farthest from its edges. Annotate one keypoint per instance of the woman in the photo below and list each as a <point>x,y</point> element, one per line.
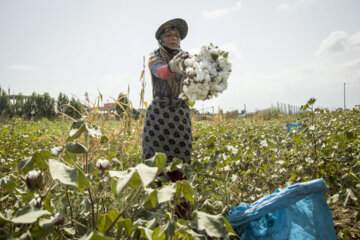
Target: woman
<point>167,125</point>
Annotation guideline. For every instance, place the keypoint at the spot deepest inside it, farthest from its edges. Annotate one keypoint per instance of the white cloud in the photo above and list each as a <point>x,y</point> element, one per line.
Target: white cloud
<point>292,6</point>
<point>21,67</point>
<point>351,71</point>
<point>339,42</point>
<point>355,40</point>
<point>221,12</point>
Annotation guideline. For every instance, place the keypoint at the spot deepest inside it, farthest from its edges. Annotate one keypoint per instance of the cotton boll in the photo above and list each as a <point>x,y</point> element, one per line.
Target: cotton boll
<point>199,77</point>
<point>189,62</point>
<point>190,71</point>
<point>197,66</point>
<point>207,77</point>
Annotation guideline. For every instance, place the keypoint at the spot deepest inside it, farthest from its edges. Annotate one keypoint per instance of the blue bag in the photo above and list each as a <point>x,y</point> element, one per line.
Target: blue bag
<point>296,212</point>
<point>289,126</point>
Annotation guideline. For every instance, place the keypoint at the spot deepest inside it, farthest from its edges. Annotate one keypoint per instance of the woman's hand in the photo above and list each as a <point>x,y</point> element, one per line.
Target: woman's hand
<point>177,63</point>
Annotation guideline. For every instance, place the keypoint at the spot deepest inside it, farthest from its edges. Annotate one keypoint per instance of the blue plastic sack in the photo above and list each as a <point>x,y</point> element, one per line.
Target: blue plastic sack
<point>289,126</point>
<point>296,212</point>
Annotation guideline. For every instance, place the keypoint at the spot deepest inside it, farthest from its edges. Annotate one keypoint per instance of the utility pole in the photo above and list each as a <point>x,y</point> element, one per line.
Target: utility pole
<point>344,96</point>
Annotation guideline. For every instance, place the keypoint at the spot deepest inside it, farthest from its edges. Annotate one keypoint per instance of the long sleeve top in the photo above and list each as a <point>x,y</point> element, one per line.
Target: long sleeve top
<point>165,83</point>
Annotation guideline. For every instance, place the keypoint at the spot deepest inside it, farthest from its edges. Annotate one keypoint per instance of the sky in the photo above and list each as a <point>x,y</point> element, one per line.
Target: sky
<point>282,51</point>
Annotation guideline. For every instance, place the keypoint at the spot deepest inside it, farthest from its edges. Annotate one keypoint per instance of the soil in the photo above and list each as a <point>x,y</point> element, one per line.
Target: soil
<point>346,221</point>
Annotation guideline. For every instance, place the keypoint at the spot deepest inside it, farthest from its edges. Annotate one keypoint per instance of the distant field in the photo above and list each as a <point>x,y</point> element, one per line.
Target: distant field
<point>234,161</point>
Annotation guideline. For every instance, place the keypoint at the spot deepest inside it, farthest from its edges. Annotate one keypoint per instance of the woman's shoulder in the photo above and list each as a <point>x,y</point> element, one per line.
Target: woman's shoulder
<point>155,53</point>
<point>155,57</point>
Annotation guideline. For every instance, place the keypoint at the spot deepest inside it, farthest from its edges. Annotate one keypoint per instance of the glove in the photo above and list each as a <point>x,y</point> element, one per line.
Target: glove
<point>177,63</point>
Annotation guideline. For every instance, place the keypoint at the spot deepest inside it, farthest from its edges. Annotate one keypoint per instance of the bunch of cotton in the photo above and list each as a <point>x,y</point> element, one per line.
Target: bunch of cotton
<point>206,74</point>
<point>103,164</point>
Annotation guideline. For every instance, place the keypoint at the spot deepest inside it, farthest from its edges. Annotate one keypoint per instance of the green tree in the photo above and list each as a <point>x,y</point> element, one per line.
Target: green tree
<point>122,103</point>
<point>76,109</point>
<point>31,109</point>
<point>18,105</point>
<point>48,106</point>
<point>61,102</point>
<point>5,105</point>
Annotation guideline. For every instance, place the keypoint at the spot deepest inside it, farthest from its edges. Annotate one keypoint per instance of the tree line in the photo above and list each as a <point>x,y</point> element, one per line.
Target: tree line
<point>37,106</point>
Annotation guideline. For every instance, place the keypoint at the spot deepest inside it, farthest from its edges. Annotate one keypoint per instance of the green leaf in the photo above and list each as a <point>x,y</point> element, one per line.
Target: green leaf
<point>228,227</point>
<point>132,178</point>
<point>186,190</point>
<point>311,101</point>
<point>213,225</point>
<point>8,182</point>
<point>158,160</point>
<point>104,139</point>
<point>104,221</point>
<point>94,236</point>
<point>157,235</point>
<point>29,215</point>
<point>169,229</point>
<point>349,194</point>
<point>124,224</point>
<point>140,175</point>
<point>147,174</point>
<point>77,129</point>
<point>166,193</point>
<point>4,219</point>
<point>190,103</point>
<point>214,56</point>
<point>356,169</point>
<point>76,148</point>
<point>47,203</point>
<point>65,174</point>
<point>151,200</point>
<point>26,164</point>
<point>118,174</point>
<point>83,181</point>
<point>40,158</point>
<point>70,157</point>
<point>48,223</point>
<point>145,232</point>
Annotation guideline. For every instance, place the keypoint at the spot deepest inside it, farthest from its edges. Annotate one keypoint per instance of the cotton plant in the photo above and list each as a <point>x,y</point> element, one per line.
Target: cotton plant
<point>206,74</point>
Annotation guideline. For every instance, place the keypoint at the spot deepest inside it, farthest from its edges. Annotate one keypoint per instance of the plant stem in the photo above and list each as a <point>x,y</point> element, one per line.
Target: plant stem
<point>123,210</point>
<point>80,224</point>
<point>47,192</point>
<point>71,210</point>
<point>61,234</point>
<point>92,209</point>
<point>86,154</point>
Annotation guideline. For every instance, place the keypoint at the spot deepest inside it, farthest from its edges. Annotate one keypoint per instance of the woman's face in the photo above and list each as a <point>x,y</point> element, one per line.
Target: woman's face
<point>171,39</point>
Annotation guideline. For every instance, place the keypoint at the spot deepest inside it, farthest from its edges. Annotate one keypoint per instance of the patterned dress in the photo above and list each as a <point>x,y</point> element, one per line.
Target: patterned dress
<point>167,127</point>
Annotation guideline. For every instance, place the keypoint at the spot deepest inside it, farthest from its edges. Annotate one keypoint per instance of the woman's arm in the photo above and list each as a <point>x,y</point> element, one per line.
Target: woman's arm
<point>163,72</point>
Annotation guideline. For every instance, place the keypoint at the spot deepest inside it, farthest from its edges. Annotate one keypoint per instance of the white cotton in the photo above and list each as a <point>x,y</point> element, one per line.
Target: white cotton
<point>190,71</point>
<point>206,74</point>
<point>32,203</point>
<point>103,164</point>
<point>189,62</point>
<point>33,174</point>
